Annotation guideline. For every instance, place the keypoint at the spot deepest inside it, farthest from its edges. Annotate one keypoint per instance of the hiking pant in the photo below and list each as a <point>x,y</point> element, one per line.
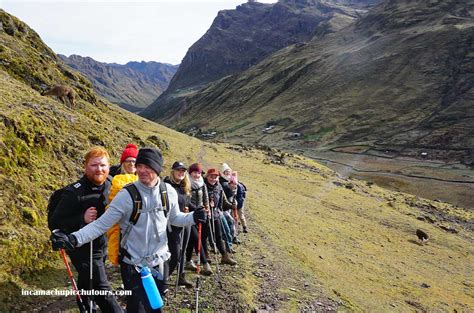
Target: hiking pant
<point>226,232</point>
<point>106,303</point>
<point>193,239</point>
<point>242,217</point>
<point>138,302</point>
<point>218,235</point>
<point>231,222</point>
<point>174,245</point>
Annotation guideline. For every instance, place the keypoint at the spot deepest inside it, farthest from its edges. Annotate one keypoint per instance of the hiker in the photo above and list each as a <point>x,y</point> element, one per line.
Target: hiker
<point>127,167</point>
<point>218,201</point>
<point>177,236</point>
<point>229,214</point>
<point>127,161</point>
<point>144,241</point>
<point>79,205</point>
<point>240,198</point>
<point>199,200</point>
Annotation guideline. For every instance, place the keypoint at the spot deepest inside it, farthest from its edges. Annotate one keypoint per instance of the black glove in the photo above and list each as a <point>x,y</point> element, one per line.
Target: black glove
<point>200,216</point>
<point>60,240</point>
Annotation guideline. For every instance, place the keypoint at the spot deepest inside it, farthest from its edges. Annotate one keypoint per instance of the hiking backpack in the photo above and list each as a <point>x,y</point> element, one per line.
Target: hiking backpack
<point>77,190</point>
<point>137,201</point>
<point>56,196</point>
<point>137,206</point>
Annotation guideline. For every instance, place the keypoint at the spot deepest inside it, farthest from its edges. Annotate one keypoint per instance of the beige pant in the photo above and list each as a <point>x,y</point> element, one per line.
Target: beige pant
<point>242,217</point>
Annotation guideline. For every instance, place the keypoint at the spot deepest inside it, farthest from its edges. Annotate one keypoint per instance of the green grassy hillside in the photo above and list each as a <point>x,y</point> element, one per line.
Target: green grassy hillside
<point>317,242</point>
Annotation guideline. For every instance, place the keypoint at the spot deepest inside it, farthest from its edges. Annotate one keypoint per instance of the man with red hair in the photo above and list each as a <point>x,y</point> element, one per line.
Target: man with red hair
<point>81,203</point>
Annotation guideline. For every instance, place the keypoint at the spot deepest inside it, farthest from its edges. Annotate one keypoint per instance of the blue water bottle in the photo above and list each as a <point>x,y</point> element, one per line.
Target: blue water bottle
<point>150,288</point>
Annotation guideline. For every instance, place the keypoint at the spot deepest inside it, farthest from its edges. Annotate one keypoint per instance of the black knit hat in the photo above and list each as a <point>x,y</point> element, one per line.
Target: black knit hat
<point>150,157</point>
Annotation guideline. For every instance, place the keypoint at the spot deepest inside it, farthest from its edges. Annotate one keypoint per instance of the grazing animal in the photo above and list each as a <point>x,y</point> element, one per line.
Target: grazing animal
<point>61,92</point>
<point>422,236</point>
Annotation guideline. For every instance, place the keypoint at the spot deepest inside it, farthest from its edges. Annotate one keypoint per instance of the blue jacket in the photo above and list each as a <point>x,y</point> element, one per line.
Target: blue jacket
<point>241,194</point>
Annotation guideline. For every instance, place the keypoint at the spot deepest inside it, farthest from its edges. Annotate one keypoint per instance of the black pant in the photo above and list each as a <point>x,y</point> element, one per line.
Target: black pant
<point>193,239</point>
<point>106,303</point>
<point>138,302</point>
<point>174,245</point>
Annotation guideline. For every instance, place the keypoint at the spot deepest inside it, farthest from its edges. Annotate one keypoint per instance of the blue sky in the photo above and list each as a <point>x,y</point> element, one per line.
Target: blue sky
<point>120,31</point>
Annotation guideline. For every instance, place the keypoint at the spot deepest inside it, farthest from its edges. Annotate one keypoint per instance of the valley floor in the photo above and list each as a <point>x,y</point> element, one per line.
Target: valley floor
<point>435,180</point>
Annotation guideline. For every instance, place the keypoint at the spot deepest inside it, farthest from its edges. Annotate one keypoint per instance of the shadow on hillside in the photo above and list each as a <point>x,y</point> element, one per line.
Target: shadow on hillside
<point>416,242</point>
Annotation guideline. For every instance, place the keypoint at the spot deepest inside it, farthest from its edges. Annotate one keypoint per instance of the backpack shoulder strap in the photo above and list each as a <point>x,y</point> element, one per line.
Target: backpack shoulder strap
<point>165,202</point>
<point>137,202</point>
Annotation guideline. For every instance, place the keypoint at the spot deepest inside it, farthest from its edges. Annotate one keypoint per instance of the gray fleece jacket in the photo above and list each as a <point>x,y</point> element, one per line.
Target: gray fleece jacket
<point>147,242</point>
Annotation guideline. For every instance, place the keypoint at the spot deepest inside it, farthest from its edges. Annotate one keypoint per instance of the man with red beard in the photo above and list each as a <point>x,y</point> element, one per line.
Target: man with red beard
<point>81,203</point>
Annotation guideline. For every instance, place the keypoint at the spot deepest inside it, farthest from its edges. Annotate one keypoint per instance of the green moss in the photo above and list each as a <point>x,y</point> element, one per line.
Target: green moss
<point>30,216</point>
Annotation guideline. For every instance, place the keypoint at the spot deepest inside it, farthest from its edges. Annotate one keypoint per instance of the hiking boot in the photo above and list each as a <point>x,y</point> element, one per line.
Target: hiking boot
<point>226,259</point>
<point>190,266</point>
<point>236,241</point>
<point>183,282</point>
<point>246,230</point>
<point>207,271</point>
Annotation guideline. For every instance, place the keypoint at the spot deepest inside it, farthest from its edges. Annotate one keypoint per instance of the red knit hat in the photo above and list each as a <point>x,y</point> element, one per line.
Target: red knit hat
<point>196,167</point>
<point>130,151</point>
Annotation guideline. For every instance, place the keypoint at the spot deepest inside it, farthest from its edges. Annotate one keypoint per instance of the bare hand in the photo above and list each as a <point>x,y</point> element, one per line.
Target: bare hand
<point>90,215</point>
<point>186,209</point>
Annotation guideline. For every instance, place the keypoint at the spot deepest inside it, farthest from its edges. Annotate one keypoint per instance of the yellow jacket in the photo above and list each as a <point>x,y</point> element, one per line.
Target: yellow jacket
<point>113,233</point>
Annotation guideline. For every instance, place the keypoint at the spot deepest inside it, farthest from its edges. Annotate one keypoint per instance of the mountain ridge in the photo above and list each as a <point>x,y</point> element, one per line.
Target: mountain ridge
<point>133,86</point>
<point>238,39</point>
<point>380,82</point>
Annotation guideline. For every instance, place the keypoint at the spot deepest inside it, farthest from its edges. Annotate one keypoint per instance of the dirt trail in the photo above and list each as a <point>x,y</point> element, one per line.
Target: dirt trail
<point>264,280</point>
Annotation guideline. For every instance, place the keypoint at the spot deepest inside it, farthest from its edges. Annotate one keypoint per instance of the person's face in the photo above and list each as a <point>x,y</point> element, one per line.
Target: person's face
<point>227,173</point>
<point>147,175</point>
<point>97,170</point>
<point>233,186</point>
<point>178,175</point>
<point>196,175</point>
<point>212,179</point>
<point>129,165</point>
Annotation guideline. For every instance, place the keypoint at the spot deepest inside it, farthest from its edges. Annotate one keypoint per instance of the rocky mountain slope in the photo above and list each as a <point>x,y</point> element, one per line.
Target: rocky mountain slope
<point>132,86</point>
<point>399,81</point>
<point>238,39</point>
<point>327,243</point>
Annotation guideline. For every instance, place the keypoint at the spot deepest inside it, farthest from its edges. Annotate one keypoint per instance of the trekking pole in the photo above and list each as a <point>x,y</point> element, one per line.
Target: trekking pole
<point>73,282</point>
<point>180,257</point>
<point>218,272</point>
<point>198,266</point>
<point>91,283</point>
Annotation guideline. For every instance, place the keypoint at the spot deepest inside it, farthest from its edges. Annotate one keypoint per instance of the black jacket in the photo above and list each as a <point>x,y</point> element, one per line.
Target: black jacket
<point>69,213</point>
<point>183,198</point>
<point>216,193</point>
